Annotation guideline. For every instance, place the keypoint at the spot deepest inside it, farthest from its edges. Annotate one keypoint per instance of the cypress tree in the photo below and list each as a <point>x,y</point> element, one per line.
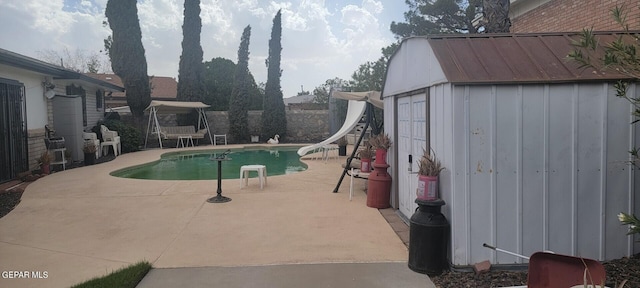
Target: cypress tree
<point>190,69</point>
<point>239,102</point>
<point>127,55</point>
<point>274,119</point>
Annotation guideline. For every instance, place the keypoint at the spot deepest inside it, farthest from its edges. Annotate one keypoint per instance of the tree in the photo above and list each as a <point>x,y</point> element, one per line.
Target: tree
<point>437,17</point>
<point>238,112</point>
<point>256,95</point>
<point>127,55</point>
<point>496,16</point>
<point>274,119</point>
<point>369,76</point>
<point>190,69</point>
<point>78,60</point>
<point>322,92</point>
<point>218,83</point>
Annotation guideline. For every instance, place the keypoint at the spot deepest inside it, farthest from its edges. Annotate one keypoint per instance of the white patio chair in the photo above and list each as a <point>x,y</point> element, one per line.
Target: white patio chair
<point>110,138</point>
<point>93,138</point>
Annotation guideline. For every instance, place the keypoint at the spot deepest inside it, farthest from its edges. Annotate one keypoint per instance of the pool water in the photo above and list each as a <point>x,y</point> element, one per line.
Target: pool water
<point>198,164</point>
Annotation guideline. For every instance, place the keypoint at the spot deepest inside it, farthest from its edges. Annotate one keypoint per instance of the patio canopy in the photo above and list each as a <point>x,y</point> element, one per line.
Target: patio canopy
<point>175,107</point>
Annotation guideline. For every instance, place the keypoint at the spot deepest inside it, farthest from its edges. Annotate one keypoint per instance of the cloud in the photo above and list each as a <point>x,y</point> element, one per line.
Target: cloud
<point>321,39</point>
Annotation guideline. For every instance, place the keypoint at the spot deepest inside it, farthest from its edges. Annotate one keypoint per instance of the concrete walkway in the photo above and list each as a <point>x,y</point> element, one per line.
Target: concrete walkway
<point>82,223</point>
<point>339,275</point>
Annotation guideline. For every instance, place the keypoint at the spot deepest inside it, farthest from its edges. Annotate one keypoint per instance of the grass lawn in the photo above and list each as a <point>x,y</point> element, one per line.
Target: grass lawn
<point>127,277</point>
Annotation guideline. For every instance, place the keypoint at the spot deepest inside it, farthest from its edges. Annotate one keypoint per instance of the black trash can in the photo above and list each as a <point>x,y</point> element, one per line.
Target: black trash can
<point>428,239</point>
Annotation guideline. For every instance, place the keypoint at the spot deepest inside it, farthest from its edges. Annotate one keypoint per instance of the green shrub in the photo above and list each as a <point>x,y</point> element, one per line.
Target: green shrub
<point>632,221</point>
<point>130,137</point>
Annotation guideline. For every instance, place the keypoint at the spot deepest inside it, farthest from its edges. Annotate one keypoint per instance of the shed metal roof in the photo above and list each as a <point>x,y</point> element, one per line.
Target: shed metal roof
<point>523,58</point>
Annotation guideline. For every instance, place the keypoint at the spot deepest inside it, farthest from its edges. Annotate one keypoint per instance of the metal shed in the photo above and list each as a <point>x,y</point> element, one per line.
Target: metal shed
<point>535,149</point>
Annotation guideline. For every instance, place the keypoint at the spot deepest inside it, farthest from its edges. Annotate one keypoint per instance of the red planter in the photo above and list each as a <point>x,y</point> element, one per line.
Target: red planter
<point>427,188</point>
<point>381,156</point>
<point>379,187</point>
<point>45,169</point>
<point>365,165</point>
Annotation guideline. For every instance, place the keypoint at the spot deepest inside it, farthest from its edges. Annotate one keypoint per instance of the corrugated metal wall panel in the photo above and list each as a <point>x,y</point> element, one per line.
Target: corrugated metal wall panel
<point>589,150</point>
<point>617,186</point>
<point>543,170</point>
<point>481,189</point>
<point>534,192</point>
<point>458,194</point>
<point>507,172</point>
<point>561,178</point>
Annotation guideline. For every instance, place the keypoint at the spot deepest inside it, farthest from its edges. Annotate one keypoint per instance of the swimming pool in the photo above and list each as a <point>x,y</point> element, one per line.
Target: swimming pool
<point>197,164</point>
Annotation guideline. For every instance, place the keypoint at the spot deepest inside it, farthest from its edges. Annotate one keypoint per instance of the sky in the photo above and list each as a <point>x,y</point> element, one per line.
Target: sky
<point>321,39</point>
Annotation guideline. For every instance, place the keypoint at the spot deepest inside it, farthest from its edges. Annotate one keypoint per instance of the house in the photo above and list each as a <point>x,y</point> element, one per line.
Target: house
<point>303,102</point>
<point>33,94</point>
<point>162,88</point>
<point>535,150</point>
<point>569,15</point>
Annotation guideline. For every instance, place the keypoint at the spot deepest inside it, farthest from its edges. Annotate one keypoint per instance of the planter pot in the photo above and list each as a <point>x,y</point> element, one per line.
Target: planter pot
<point>427,188</point>
<point>255,139</point>
<point>381,156</point>
<point>45,168</point>
<point>365,165</point>
<point>342,150</point>
<point>89,158</point>
<point>379,187</point>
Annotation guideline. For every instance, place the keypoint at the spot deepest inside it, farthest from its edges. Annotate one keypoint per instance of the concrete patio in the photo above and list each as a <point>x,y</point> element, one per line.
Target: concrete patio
<point>82,223</point>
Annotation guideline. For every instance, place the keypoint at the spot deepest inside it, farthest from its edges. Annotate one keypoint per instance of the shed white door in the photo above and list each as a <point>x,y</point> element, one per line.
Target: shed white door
<point>412,139</point>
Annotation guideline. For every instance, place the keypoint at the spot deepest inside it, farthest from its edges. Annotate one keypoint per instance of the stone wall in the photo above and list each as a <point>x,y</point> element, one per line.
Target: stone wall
<point>303,126</point>
<point>307,126</point>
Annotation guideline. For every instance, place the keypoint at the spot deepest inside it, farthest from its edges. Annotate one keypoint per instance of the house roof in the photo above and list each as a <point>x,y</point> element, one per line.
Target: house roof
<point>165,88</point>
<point>525,58</point>
<point>307,98</point>
<point>57,72</point>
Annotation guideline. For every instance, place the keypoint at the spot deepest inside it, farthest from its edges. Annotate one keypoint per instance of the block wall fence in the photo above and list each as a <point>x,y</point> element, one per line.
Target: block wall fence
<point>303,126</point>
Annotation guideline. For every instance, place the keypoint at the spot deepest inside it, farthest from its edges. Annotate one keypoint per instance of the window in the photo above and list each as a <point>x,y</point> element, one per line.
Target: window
<point>99,99</point>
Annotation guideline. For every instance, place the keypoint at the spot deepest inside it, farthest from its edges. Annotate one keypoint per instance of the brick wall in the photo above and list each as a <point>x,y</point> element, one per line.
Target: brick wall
<point>574,15</point>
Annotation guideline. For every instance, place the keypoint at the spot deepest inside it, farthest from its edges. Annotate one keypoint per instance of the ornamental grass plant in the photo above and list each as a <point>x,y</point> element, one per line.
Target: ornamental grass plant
<point>429,165</point>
